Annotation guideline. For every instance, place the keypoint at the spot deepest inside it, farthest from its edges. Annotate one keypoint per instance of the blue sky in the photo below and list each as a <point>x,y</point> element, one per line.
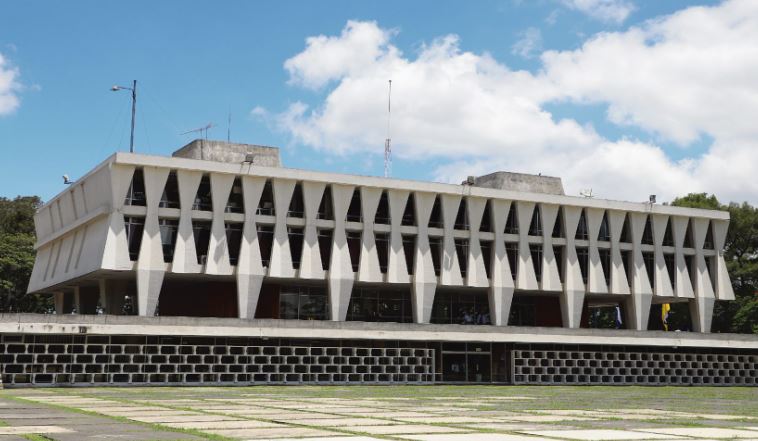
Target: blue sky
<point>195,61</point>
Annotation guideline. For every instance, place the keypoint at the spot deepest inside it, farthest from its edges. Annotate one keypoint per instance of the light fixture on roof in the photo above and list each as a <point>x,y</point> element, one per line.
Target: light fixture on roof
<point>652,198</point>
<point>587,193</point>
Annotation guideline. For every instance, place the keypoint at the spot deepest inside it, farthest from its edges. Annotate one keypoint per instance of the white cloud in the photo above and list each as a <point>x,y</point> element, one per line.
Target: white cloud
<point>609,11</point>
<point>530,41</point>
<point>9,87</point>
<point>331,58</point>
<point>690,74</point>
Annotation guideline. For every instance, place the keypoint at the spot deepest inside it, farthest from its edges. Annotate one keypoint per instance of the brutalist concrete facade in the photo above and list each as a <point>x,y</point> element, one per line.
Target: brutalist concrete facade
<point>339,263</point>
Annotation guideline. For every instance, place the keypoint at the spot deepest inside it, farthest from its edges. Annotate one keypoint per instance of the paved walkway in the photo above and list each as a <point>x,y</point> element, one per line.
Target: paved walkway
<point>231,413</point>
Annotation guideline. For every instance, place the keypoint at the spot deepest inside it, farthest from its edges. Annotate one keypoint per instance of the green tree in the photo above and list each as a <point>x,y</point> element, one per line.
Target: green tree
<point>17,255</point>
<point>741,256</point>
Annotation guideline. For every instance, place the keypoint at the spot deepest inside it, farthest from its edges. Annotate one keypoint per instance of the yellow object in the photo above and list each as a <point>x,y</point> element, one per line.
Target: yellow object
<point>665,308</point>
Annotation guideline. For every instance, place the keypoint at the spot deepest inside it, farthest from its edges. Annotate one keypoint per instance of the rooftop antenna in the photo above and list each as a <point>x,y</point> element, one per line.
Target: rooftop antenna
<point>388,141</point>
<point>202,130</point>
<point>229,126</point>
<point>587,193</point>
<point>204,133</point>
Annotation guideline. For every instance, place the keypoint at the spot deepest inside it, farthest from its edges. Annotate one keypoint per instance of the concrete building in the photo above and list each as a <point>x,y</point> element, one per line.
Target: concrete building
<point>222,230</point>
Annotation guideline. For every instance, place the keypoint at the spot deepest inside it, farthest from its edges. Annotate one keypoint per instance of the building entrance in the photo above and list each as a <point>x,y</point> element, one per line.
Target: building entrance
<point>466,362</point>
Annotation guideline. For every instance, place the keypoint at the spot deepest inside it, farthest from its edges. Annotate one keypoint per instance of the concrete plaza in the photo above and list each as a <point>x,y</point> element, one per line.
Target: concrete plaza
<point>438,413</point>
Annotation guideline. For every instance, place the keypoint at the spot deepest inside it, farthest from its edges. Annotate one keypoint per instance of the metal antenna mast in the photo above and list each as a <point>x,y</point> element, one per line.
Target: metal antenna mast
<point>203,131</point>
<point>229,126</point>
<point>388,141</point>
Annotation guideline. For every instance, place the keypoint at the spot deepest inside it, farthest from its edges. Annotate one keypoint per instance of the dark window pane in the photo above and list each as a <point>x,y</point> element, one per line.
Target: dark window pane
<point>236,202</point>
<point>647,234</point>
<point>203,198</point>
<point>354,248</point>
<point>136,193</point>
<point>461,250</point>
<point>435,219</point>
<point>583,256</point>
<point>511,222</point>
<point>409,249</point>
<point>382,250</point>
<point>325,208</point>
<point>581,228</point>
<point>536,252</point>
<point>511,250</point>
<point>170,196</point>
<point>134,227</point>
<point>409,214</point>
<point>467,307</point>
<point>168,230</point>
<point>383,211</point>
<point>233,240</point>
<point>266,204</point>
<point>486,224</point>
<point>605,261</point>
<point>605,230</point>
<point>354,210</point>
<point>295,239</point>
<point>297,206</point>
<point>265,242</point>
<point>325,248</point>
<point>486,247</point>
<point>202,233</point>
<point>435,248</point>
<point>461,218</point>
<point>535,226</point>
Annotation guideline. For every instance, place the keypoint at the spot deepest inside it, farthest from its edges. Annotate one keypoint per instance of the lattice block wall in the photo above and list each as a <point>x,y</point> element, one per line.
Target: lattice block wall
<point>103,362</point>
<point>617,367</point>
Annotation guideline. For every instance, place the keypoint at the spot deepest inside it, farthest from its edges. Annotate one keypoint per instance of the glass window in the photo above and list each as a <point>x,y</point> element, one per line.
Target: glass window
<point>295,239</point>
<point>409,214</point>
<point>136,193</point>
<point>461,219</point>
<point>203,198</point>
<point>170,196</point>
<point>354,210</point>
<point>535,226</point>
<point>202,232</point>
<point>236,203</point>
<point>583,256</point>
<point>382,250</point>
<point>466,307</point>
<point>168,229</point>
<point>233,240</point>
<point>302,303</point>
<point>605,231</point>
<point>581,228</point>
<point>383,210</point>
<point>325,210</point>
<point>461,250</point>
<point>380,305</point>
<point>435,218</point>
<point>297,204</point>
<point>265,241</point>
<point>266,204</point>
<point>511,223</point>
<point>134,227</point>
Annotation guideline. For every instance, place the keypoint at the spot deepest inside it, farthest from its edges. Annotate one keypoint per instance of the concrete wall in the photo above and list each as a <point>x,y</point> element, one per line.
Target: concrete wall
<point>235,153</point>
<point>521,182</point>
